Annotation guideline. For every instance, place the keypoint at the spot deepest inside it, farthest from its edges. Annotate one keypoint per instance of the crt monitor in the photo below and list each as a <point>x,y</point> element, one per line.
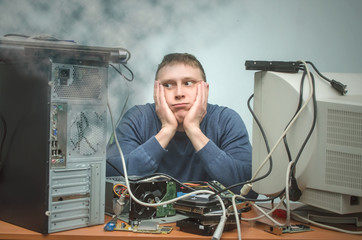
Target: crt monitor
<point>329,170</point>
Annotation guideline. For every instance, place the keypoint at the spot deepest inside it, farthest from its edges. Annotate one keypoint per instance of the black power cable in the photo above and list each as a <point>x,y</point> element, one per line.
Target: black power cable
<point>340,87</point>
<point>120,73</point>
<point>311,129</point>
<point>294,191</point>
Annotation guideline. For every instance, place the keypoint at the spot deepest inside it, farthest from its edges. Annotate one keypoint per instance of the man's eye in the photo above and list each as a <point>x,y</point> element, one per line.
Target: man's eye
<point>167,85</point>
<point>189,83</point>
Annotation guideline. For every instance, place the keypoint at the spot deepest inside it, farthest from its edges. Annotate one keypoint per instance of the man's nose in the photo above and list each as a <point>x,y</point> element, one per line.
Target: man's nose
<point>179,92</point>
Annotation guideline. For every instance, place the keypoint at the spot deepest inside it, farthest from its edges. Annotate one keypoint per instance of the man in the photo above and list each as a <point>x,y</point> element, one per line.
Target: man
<point>181,134</point>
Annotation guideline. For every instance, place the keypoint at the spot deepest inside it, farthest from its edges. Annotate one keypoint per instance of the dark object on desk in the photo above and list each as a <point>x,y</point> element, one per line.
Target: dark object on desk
<point>204,215</point>
<point>196,226</point>
<point>200,204</point>
<point>203,203</point>
<point>117,183</point>
<point>151,192</point>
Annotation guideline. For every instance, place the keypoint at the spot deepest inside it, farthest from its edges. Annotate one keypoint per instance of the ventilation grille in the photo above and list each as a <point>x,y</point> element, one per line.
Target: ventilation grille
<point>326,200</point>
<point>87,133</point>
<point>344,128</point>
<point>72,81</point>
<point>344,168</point>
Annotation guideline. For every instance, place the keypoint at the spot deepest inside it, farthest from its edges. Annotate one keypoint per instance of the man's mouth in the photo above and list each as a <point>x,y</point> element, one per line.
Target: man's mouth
<point>179,105</point>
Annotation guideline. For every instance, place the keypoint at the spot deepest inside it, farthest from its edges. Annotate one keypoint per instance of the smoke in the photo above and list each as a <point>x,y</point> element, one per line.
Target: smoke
<point>222,34</point>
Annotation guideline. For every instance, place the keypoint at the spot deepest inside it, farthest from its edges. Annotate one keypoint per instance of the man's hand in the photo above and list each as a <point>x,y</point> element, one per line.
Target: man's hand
<point>198,110</point>
<point>166,116</point>
<point>195,115</point>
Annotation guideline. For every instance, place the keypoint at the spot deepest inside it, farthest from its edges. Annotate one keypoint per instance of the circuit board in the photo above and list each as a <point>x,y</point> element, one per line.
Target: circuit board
<point>297,228</point>
<point>142,227</point>
<point>167,210</point>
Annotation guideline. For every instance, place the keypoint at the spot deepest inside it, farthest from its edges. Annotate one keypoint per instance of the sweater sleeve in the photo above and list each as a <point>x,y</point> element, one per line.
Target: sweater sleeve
<point>141,150</point>
<point>227,156</point>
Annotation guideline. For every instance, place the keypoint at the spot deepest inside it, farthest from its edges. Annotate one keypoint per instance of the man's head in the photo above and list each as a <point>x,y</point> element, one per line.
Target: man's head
<point>180,74</point>
<point>183,58</point>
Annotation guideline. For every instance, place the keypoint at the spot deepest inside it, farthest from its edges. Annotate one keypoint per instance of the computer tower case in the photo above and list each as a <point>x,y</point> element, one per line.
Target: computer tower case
<point>53,109</point>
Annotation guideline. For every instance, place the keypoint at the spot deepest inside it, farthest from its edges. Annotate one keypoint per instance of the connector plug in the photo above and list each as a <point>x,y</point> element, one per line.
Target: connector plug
<point>340,87</point>
<point>219,229</point>
<point>294,191</point>
<point>118,204</point>
<point>245,189</point>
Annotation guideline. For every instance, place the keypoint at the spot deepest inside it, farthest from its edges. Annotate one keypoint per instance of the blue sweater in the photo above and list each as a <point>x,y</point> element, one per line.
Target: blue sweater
<point>225,158</point>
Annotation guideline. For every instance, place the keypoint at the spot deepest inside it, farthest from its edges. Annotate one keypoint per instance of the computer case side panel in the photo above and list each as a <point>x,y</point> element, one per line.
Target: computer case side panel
<point>24,105</point>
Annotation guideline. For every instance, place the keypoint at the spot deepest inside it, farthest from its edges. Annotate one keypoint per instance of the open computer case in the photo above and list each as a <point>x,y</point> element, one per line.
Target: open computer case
<point>53,109</point>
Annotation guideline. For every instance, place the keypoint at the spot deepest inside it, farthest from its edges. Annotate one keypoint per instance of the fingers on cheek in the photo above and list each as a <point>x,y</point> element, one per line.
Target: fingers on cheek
<point>205,92</point>
<point>201,90</point>
<point>162,92</point>
<point>156,91</point>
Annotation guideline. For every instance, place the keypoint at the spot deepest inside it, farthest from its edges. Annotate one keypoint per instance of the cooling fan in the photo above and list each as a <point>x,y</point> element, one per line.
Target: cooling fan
<point>87,132</point>
<point>152,192</point>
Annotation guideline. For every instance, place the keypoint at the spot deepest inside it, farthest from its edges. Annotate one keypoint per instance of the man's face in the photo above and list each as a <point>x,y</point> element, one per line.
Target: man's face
<point>180,82</point>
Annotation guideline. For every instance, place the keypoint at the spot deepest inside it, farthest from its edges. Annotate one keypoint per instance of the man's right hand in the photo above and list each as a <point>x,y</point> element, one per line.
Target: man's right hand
<point>166,116</point>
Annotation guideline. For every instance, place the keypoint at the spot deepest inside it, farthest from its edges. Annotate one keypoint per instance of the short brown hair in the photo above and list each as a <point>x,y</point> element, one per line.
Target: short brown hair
<point>185,58</point>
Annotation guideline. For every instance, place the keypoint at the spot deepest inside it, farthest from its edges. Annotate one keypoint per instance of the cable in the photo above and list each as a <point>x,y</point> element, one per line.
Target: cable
<point>324,225</point>
<point>301,91</point>
<point>317,71</point>
<point>119,71</point>
<point>292,163</point>
<point>151,176</point>
<point>296,193</point>
<point>237,220</point>
<point>126,101</point>
<point>300,109</point>
<point>268,213</point>
<point>118,121</point>
<point>265,140</point>
<point>123,109</point>
<point>312,127</point>
<point>311,93</point>
<point>287,180</point>
<point>340,87</point>
<point>122,186</point>
<point>266,145</point>
<point>287,129</point>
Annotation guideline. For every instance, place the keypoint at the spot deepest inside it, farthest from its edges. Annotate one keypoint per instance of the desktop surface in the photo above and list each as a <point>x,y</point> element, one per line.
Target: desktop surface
<point>248,231</point>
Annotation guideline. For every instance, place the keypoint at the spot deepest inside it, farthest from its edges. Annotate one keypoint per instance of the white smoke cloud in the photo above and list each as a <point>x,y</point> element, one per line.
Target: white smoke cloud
<point>222,34</point>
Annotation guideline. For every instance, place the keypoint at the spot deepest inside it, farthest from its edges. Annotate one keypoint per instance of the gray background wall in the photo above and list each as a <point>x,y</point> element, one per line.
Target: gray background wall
<point>222,34</point>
